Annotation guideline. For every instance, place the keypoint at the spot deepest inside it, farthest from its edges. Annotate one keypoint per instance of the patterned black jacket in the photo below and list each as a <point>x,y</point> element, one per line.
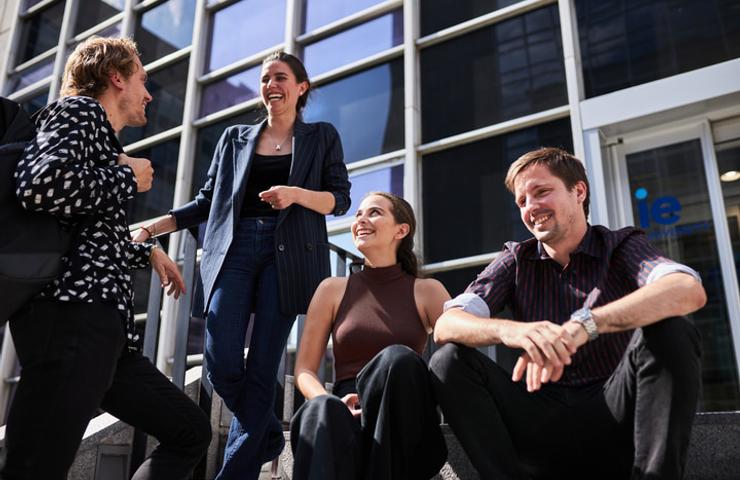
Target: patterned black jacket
<point>71,171</point>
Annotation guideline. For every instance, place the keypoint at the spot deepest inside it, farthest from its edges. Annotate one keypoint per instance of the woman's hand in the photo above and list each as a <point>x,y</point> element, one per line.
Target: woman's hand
<point>280,197</point>
<point>141,236</point>
<point>353,403</point>
<point>168,272</point>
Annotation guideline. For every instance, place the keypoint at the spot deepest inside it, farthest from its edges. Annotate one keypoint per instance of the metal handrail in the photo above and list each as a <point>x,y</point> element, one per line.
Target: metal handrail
<point>181,361</point>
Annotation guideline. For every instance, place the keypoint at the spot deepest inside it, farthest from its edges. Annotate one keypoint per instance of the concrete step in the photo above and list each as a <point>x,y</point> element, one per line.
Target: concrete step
<point>714,451</point>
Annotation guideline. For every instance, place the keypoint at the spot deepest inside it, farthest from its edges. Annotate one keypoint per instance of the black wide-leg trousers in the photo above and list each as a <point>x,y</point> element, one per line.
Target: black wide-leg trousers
<point>398,436</point>
<point>635,425</point>
<point>74,361</point>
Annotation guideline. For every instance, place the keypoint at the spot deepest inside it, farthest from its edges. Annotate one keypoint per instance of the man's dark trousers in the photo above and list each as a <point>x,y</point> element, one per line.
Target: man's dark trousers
<point>636,424</point>
<point>75,361</point>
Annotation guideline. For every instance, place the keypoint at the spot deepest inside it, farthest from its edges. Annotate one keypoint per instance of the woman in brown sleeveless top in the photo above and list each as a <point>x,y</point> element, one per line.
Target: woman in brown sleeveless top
<point>381,421</point>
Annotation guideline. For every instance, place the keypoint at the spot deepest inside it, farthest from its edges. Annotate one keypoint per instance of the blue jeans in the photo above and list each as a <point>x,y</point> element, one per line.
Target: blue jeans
<point>248,284</point>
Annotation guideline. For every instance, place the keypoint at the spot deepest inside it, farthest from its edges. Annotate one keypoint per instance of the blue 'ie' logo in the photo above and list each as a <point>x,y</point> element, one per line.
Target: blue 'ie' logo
<point>663,210</point>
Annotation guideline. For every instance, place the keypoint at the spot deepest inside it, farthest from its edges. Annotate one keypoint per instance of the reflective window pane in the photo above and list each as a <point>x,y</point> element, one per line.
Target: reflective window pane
<point>317,13</point>
<point>110,31</point>
<point>439,14</point>
<point>230,91</point>
<point>467,208</point>
<point>92,12</point>
<point>383,180</point>
<point>629,43</point>
<point>40,32</point>
<point>508,70</point>
<point>158,200</point>
<point>31,75</point>
<point>33,104</point>
<point>670,201</point>
<point>354,44</point>
<point>243,29</point>
<point>366,108</point>
<point>164,29</point>
<point>29,3</point>
<point>456,281</point>
<point>206,142</point>
<point>167,87</point>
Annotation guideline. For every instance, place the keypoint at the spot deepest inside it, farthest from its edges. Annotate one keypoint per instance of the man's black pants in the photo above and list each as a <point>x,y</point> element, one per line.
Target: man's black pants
<point>635,425</point>
<point>74,361</point>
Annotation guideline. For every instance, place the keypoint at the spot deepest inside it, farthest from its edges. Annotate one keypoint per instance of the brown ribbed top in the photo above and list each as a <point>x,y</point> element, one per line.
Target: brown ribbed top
<point>377,310</point>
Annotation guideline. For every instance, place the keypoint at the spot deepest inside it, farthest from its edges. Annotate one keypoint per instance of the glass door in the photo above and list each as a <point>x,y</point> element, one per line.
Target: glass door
<point>669,186</point>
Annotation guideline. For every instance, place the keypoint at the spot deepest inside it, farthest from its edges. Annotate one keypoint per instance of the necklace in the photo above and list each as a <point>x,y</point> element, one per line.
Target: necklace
<point>278,146</point>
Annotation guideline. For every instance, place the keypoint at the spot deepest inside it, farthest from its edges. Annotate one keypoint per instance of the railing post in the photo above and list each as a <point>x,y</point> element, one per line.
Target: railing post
<point>153,310</point>
<point>182,327</point>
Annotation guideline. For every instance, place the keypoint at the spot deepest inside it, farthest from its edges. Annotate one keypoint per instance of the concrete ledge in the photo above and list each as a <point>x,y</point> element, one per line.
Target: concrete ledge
<point>714,451</point>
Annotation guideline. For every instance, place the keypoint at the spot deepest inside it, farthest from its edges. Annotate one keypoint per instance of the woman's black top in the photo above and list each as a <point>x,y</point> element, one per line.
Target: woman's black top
<point>266,171</point>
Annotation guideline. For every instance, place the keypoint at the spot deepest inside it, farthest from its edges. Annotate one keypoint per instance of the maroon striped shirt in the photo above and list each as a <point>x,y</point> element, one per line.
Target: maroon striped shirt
<point>606,266</point>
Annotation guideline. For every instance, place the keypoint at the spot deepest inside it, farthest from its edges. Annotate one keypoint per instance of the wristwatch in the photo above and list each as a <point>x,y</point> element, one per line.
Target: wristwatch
<point>586,319</point>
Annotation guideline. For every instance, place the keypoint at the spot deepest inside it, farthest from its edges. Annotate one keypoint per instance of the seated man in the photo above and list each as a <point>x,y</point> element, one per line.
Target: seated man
<point>609,366</point>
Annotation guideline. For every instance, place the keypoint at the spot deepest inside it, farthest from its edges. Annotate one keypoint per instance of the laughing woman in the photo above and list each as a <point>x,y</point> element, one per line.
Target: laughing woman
<point>269,188</point>
<point>381,422</point>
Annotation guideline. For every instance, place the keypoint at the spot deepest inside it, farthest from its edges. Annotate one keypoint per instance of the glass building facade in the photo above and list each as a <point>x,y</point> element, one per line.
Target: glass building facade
<point>434,99</point>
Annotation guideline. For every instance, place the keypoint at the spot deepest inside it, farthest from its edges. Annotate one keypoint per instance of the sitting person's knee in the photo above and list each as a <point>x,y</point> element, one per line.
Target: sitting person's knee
<point>401,357</point>
<point>324,403</point>
<point>675,341</point>
<point>679,331</point>
<point>445,360</point>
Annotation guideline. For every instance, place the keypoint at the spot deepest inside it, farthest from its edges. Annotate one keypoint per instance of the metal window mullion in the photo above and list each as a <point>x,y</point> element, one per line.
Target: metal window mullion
<point>411,112</point>
<point>359,65</point>
<point>292,24</point>
<point>722,233</point>
<point>458,263</point>
<point>573,72</point>
<point>491,18</point>
<point>28,64</point>
<point>167,60</point>
<point>42,5</point>
<point>384,159</point>
<point>595,168</point>
<point>148,4</point>
<point>184,177</point>
<point>160,137</point>
<point>96,28</point>
<point>226,113</point>
<point>70,13</point>
<point>30,90</point>
<point>128,21</point>
<point>494,130</point>
<point>239,65</point>
<point>344,23</point>
<point>14,38</point>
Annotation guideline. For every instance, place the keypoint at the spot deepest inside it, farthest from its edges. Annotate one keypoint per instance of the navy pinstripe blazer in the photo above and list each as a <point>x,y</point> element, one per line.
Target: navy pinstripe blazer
<point>301,251</point>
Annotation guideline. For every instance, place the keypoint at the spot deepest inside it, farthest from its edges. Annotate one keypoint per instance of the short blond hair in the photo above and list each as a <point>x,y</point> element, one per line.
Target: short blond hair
<point>88,66</point>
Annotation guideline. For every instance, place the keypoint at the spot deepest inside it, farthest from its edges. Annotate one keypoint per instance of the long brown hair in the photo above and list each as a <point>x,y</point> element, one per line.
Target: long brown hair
<point>87,69</point>
<point>403,213</point>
